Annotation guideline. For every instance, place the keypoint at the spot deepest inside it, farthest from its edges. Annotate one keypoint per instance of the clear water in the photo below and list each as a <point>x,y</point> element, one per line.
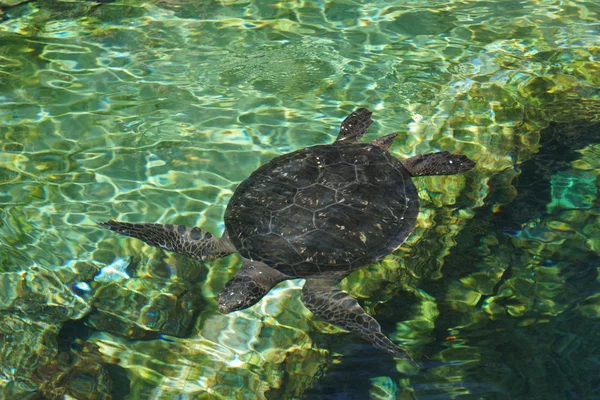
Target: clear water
<point>155,110</point>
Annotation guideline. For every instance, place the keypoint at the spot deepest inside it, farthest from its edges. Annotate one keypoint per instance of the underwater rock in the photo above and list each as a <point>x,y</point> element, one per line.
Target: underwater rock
<point>79,374</point>
<point>260,353</point>
<point>291,70</point>
<point>47,10</point>
<point>534,246</point>
<point>46,294</point>
<point>25,345</point>
<point>143,299</point>
<point>34,358</point>
<point>142,308</point>
<point>12,3</point>
<point>542,183</point>
<point>43,316</point>
<point>519,293</point>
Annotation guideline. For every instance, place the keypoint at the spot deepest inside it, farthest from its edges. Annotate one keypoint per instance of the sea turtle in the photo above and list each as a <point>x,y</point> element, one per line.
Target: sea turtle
<point>317,213</point>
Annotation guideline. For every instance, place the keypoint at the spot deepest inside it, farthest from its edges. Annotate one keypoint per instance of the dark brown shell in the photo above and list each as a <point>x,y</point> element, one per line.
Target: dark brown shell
<point>330,207</point>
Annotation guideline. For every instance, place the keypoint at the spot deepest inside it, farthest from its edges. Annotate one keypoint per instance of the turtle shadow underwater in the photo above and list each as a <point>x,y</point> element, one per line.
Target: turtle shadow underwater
<point>317,213</point>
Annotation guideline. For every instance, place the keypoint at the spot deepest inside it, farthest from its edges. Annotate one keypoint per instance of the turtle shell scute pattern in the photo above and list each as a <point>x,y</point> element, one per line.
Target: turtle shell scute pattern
<point>329,207</point>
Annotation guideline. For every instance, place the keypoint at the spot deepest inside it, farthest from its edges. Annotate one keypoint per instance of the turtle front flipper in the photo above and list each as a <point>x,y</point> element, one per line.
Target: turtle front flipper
<point>248,286</point>
<point>192,242</point>
<point>339,308</point>
<point>354,126</point>
<point>440,163</point>
<point>385,142</point>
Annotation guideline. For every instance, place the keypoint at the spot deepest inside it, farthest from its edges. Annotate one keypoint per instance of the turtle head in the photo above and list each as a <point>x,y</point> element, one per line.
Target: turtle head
<point>248,286</point>
<point>237,296</point>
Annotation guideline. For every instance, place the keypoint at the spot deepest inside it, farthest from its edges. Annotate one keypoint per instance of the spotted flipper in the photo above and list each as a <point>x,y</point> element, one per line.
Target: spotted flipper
<point>248,286</point>
<point>192,242</point>
<point>354,126</point>
<point>339,308</point>
<point>440,163</point>
<point>385,141</point>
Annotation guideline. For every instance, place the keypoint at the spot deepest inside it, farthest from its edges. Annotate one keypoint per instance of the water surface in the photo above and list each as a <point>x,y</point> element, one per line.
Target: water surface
<point>156,110</point>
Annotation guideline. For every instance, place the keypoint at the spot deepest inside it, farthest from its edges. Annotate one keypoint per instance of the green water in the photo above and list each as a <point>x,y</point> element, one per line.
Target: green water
<point>155,110</point>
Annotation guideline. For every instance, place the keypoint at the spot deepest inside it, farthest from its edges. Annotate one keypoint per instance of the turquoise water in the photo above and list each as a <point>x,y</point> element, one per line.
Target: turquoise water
<point>156,110</point>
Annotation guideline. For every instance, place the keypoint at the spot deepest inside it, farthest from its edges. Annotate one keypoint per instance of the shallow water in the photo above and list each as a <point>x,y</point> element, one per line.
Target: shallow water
<point>156,110</point>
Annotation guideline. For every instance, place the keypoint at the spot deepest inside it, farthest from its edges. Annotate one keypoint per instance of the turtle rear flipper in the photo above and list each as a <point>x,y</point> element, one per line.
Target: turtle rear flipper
<point>339,308</point>
<point>192,242</point>
<point>440,163</point>
<point>354,126</point>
